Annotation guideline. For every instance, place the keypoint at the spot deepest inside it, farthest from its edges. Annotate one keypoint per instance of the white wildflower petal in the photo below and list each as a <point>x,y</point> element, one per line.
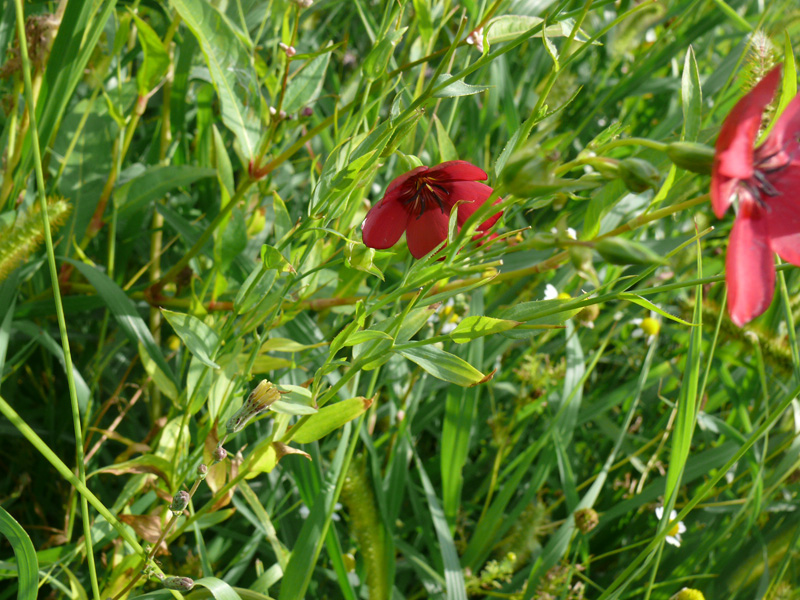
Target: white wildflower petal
<point>674,540</point>
<point>659,512</point>
<point>550,292</point>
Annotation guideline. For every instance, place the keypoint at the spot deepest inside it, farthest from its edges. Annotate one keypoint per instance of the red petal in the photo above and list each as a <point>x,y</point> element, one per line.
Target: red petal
<point>734,156</point>
<point>385,222</point>
<point>398,181</point>
<point>783,213</point>
<point>427,231</point>
<point>457,170</point>
<point>777,149</point>
<point>749,270</point>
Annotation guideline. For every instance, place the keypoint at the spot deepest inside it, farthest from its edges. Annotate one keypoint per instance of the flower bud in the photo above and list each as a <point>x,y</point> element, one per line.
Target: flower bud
<point>529,173</point>
<point>619,251</point>
<point>588,314</point>
<point>303,3</point>
<point>638,175</point>
<point>688,594</point>
<point>308,111</point>
<point>697,158</point>
<point>202,471</point>
<point>180,502</point>
<point>257,402</point>
<point>581,257</point>
<point>182,584</point>
<point>290,51</point>
<point>586,519</point>
<point>220,454</point>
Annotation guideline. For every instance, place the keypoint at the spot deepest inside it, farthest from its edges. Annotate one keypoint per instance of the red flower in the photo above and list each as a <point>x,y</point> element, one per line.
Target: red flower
<point>419,202</point>
<point>767,182</point>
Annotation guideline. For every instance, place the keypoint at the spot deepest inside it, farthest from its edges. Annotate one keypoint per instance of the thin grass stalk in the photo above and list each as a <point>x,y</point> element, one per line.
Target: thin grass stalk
<point>62,325</point>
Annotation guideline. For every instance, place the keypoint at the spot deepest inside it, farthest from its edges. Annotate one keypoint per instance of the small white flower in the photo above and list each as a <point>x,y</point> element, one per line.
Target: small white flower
<point>476,39</point>
<point>550,292</point>
<point>674,533</point>
<point>570,232</point>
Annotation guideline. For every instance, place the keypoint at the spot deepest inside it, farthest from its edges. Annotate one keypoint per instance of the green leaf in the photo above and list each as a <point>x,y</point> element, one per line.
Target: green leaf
<point>124,311</point>
<point>328,419</point>
<point>218,588</point>
<point>272,259</point>
<point>154,183</point>
<point>306,86</point>
<point>445,366</point>
<point>453,572</point>
<point>456,88</point>
<point>422,10</point>
<point>47,342</point>
<point>509,27</point>
<point>156,59</point>
<point>27,563</point>
<point>229,65</point>
<point>473,327</point>
<point>650,306</point>
<point>691,98</point>
<point>200,339</point>
<point>447,150</point>
<point>377,61</point>
<point>296,401</point>
<point>368,335</point>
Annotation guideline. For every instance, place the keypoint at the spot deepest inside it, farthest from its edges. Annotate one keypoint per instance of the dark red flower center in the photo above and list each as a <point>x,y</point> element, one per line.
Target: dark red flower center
<point>764,168</point>
<point>424,194</point>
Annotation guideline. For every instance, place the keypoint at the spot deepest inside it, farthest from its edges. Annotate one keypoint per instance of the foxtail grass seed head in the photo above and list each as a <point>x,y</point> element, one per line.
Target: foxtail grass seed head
<point>179,502</point>
<point>586,519</point>
<point>688,594</point>
<point>202,471</point>
<point>220,454</point>
<point>182,584</point>
<point>22,239</point>
<point>257,402</point>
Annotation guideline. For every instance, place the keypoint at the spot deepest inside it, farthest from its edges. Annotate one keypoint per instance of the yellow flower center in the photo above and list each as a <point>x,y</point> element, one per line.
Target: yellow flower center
<point>674,531</point>
<point>564,296</point>
<point>651,326</point>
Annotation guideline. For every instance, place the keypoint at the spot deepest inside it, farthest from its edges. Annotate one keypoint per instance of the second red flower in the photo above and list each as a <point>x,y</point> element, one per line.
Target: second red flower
<point>419,202</point>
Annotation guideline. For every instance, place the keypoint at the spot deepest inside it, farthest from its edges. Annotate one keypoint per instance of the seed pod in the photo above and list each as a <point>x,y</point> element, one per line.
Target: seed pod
<point>586,519</point>
<point>202,471</point>
<point>220,454</point>
<point>257,402</point>
<point>638,175</point>
<point>697,158</point>
<point>182,584</point>
<point>180,501</point>
<point>619,251</point>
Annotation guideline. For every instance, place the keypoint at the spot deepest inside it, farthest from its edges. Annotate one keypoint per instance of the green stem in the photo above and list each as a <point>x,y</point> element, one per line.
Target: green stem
<point>62,324</point>
<point>38,443</point>
<point>626,576</point>
<point>206,235</point>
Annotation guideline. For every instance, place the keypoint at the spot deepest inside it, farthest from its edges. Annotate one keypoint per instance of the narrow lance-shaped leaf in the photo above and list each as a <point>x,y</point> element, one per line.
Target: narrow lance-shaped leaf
<point>229,65</point>
<point>328,419</point>
<point>156,59</point>
<point>201,340</point>
<point>445,366</point>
